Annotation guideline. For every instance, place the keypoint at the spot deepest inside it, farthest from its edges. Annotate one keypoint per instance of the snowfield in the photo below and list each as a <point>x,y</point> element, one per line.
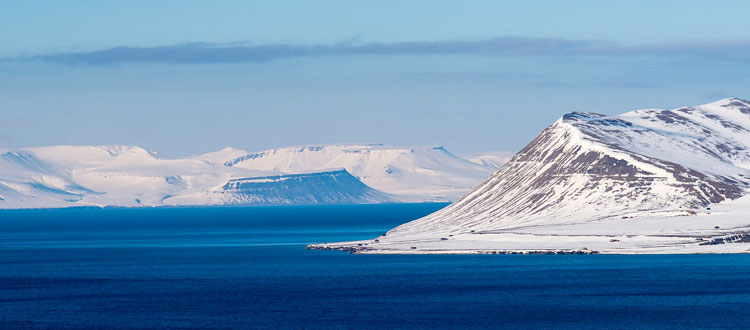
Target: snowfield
<point>648,181</point>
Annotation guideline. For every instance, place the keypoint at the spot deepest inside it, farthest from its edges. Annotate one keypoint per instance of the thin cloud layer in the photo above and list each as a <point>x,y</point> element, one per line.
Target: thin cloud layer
<point>205,53</point>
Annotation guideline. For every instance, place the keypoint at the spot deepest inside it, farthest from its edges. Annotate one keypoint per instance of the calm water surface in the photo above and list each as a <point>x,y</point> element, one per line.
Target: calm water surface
<point>246,267</point>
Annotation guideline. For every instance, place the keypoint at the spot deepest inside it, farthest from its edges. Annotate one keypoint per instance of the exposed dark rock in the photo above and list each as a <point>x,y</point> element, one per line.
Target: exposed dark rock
<point>670,117</point>
<point>734,238</point>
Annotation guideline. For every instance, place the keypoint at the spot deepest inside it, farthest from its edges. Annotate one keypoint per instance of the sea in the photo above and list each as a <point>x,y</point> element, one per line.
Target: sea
<point>247,268</point>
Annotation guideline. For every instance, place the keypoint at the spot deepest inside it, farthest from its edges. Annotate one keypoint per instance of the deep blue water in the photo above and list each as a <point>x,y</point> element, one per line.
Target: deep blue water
<point>247,268</point>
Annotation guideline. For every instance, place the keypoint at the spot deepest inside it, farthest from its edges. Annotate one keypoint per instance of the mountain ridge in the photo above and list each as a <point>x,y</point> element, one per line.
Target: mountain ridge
<point>130,176</point>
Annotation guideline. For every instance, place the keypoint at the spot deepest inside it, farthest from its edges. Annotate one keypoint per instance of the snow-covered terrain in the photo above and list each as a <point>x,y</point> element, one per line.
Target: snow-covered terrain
<point>491,159</point>
<point>426,173</point>
<point>647,181</point>
<point>222,156</point>
<point>65,176</point>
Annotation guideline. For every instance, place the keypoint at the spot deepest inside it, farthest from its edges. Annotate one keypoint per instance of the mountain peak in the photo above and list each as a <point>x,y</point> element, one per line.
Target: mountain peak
<point>578,115</point>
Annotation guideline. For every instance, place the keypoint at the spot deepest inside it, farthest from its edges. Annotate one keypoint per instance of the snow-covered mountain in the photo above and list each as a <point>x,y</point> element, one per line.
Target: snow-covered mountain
<point>64,176</point>
<point>588,177</point>
<point>430,172</point>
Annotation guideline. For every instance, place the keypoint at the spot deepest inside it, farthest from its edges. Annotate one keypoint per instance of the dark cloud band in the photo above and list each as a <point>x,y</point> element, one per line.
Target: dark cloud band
<point>203,53</point>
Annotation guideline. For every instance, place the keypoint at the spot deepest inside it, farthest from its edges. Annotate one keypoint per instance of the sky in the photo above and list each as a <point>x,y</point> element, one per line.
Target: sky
<point>188,77</point>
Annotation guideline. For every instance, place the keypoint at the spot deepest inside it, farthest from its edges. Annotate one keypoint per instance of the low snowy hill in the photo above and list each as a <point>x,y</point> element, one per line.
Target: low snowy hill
<point>589,177</point>
<point>427,173</point>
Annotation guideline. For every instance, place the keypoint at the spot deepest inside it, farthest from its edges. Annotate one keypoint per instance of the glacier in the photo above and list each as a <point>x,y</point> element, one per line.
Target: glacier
<point>647,181</point>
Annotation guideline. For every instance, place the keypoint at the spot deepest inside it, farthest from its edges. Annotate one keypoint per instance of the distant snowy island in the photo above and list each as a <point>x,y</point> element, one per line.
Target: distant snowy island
<point>128,176</point>
<point>647,181</point>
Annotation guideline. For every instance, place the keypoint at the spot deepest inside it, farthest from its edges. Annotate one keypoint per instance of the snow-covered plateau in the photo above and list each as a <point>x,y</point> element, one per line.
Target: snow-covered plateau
<point>127,176</point>
<point>647,181</point>
<point>413,173</point>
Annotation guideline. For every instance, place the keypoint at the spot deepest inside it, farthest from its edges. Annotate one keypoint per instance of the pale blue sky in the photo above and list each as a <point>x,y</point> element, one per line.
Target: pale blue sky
<point>186,77</point>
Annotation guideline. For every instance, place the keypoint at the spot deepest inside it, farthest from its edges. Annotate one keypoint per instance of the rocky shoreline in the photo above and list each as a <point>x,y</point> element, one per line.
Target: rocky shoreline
<point>369,250</point>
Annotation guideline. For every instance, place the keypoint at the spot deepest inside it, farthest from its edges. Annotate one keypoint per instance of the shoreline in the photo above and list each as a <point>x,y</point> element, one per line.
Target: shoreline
<point>352,250</point>
<point>731,243</point>
<point>358,250</point>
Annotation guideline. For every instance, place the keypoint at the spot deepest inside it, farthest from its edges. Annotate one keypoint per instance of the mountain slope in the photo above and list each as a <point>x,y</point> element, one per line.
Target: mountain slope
<point>426,173</point>
<point>588,168</point>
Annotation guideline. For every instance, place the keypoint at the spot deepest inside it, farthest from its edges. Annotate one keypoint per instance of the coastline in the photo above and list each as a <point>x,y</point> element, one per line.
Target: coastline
<point>734,243</point>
